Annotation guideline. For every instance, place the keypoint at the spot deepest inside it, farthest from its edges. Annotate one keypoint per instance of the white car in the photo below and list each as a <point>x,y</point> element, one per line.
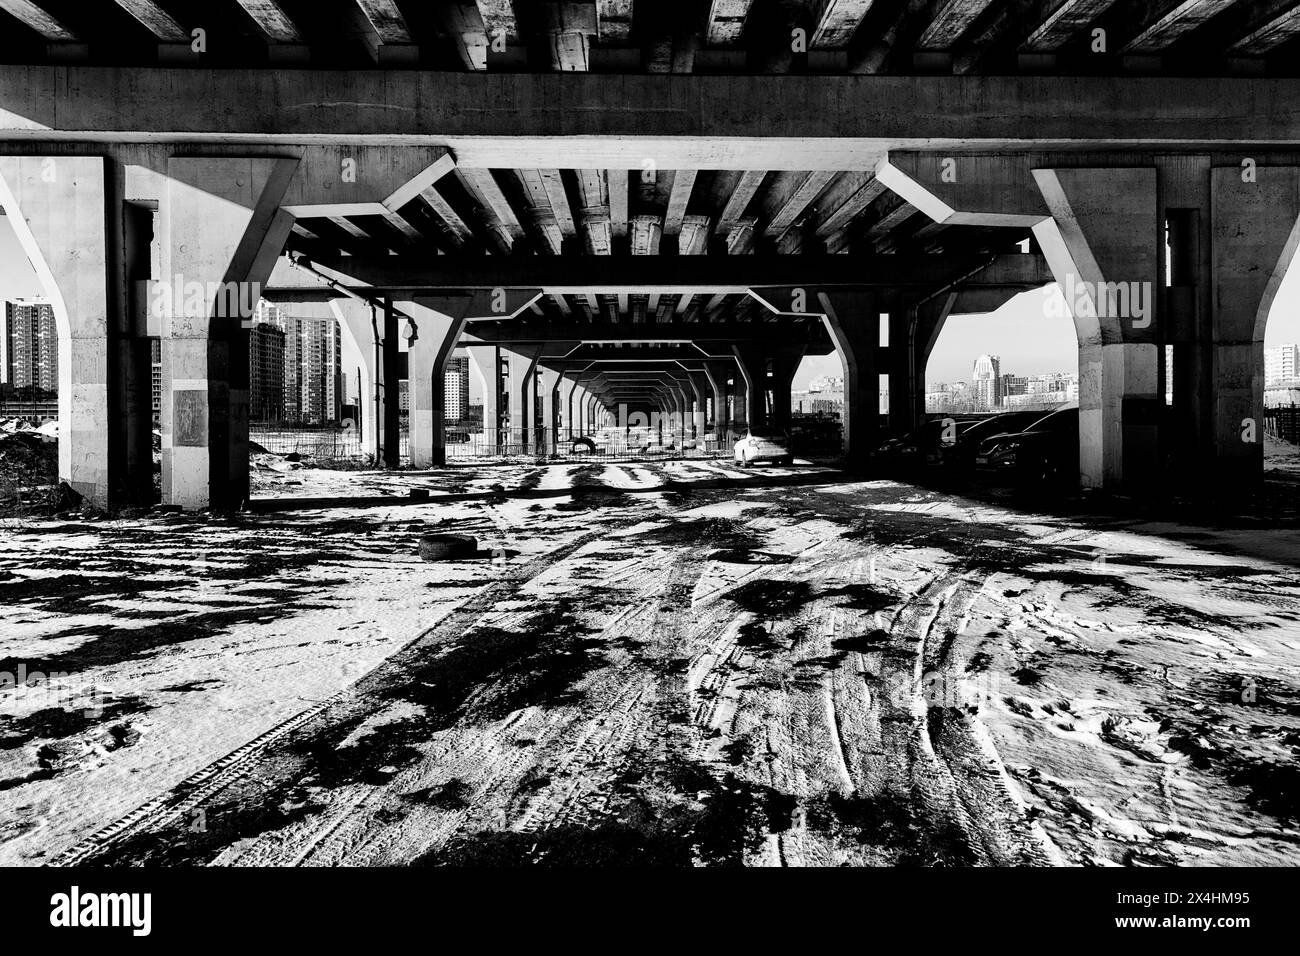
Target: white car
<point>753,448</point>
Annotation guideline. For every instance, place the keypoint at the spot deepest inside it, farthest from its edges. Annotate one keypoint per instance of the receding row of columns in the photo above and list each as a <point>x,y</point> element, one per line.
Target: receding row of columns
<point>99,229</point>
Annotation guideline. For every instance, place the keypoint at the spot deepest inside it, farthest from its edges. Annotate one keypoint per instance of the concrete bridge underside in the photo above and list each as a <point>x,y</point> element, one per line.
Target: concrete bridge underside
<point>675,243</point>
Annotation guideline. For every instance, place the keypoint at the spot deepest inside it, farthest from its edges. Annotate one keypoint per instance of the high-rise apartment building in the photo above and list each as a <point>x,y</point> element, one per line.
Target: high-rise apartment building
<point>31,345</point>
<point>456,388</point>
<point>313,369</point>
<point>1282,364</point>
<point>986,382</point>
<point>155,363</point>
<point>266,369</point>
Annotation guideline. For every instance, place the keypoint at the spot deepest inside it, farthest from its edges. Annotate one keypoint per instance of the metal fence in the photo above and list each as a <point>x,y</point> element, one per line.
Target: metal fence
<point>1282,422</point>
<point>606,444</point>
<point>345,443</point>
<point>320,442</point>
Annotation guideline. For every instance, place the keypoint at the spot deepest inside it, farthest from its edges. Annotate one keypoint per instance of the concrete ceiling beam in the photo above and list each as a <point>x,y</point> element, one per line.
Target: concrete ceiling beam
<point>628,275</point>
<point>601,121</point>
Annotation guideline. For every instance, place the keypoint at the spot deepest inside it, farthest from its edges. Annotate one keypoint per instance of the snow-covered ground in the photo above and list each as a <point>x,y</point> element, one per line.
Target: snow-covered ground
<point>677,662</point>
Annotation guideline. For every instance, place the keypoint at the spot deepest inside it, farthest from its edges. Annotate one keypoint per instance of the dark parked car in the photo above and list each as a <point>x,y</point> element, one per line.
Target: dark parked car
<point>912,451</point>
<point>957,451</point>
<point>1045,453</point>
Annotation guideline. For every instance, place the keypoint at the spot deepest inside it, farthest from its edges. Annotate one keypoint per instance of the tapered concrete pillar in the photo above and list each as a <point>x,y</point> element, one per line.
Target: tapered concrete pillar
<point>1103,246</point>
<point>784,364</point>
<point>360,324</point>
<point>391,356</point>
<point>738,401</point>
<point>439,322</point>
<point>66,212</point>
<point>221,231</point>
<point>486,362</point>
<point>853,321</point>
<point>717,374</point>
<point>751,360</point>
<point>548,381</point>
<point>573,421</point>
<point>906,356</point>
<point>927,322</point>
<point>520,361</point>
<point>681,391</point>
<point>1255,233</point>
<point>566,387</point>
<point>700,405</point>
<point>768,372</point>
<point>1101,231</point>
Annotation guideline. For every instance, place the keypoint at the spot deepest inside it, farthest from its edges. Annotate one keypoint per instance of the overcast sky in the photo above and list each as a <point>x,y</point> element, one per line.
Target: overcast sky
<point>1021,332</point>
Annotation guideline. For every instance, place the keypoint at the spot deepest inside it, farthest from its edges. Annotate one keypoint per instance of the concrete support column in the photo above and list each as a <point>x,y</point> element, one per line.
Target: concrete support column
<point>1101,230</point>
<point>1104,244</point>
<point>751,359</point>
<point>67,214</point>
<point>359,323</point>
<point>1255,231</point>
<point>438,325</point>
<point>577,399</point>
<point>910,342</point>
<point>768,373</point>
<point>486,360</point>
<point>739,401</point>
<point>681,409</point>
<point>700,395</point>
<point>221,231</point>
<point>716,373</point>
<point>784,365</point>
<point>391,357</point>
<point>927,323</point>
<point>568,385</point>
<point>521,361</point>
<point>853,321</point>
<point>548,381</point>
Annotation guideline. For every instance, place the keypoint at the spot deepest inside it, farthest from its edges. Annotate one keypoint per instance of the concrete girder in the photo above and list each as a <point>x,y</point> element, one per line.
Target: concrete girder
<point>1061,21</point>
<point>1278,23</point>
<point>31,15</point>
<point>271,19</point>
<point>1167,21</point>
<point>363,180</point>
<point>718,122</point>
<point>649,353</point>
<point>949,22</point>
<point>705,338</point>
<point>632,275</point>
<point>726,21</point>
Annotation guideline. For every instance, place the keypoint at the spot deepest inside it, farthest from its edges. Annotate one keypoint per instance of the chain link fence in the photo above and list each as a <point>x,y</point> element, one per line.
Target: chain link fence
<point>607,444</point>
<point>1282,423</point>
<point>343,443</point>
